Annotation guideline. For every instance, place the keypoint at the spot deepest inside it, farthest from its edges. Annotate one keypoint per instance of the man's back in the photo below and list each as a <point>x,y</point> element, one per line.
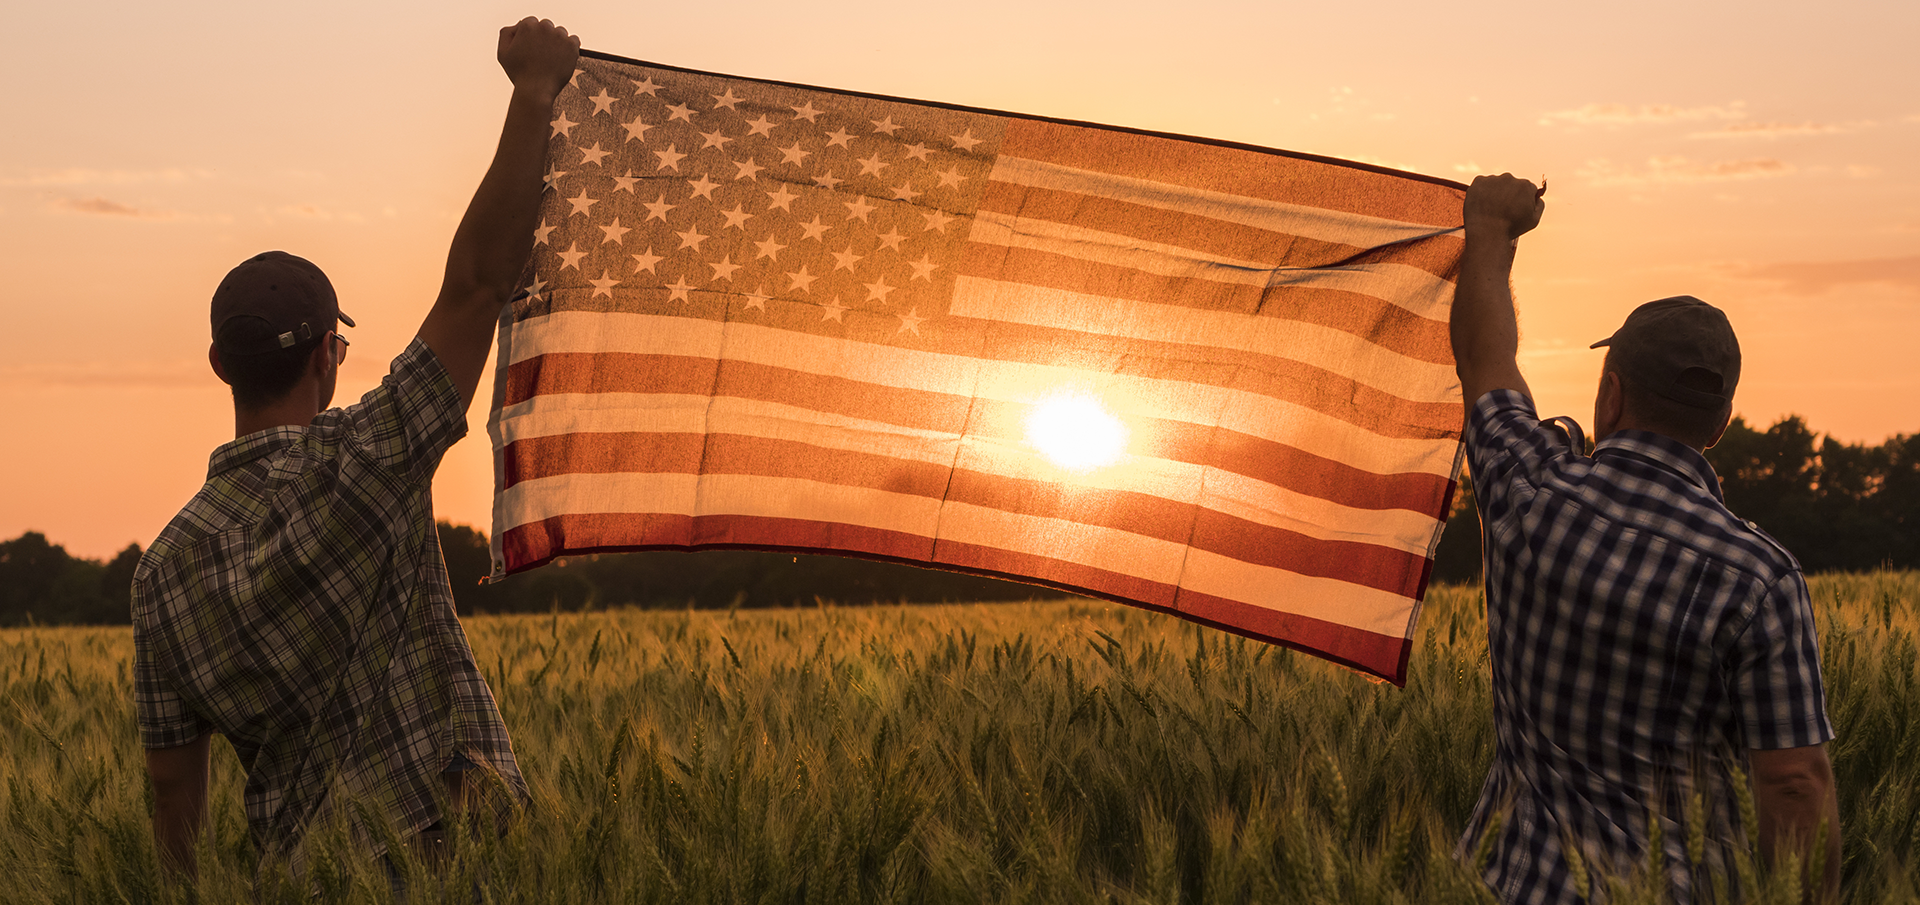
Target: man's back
<point>299,606</point>
<point>1640,636</point>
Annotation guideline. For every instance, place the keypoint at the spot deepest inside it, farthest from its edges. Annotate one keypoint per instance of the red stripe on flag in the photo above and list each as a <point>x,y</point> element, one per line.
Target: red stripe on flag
<point>1323,391</point>
<point>1381,323</point>
<point>1209,236</point>
<point>533,544</point>
<point>626,372</point>
<point>1370,652</point>
<point>1384,568</point>
<point>1235,171</point>
<point>605,452</point>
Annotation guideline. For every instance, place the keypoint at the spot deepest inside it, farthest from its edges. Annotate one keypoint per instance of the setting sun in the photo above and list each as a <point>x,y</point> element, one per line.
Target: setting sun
<point>1076,432</point>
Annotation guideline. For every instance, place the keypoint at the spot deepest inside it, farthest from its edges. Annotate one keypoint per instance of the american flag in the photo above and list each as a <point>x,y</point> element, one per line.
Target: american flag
<point>1193,376</point>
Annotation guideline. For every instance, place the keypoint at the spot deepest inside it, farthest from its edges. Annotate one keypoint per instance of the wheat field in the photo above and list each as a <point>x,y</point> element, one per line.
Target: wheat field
<point>1055,752</point>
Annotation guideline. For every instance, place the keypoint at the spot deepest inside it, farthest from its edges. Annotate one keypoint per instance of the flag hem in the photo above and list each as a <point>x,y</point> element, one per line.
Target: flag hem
<point>986,111</point>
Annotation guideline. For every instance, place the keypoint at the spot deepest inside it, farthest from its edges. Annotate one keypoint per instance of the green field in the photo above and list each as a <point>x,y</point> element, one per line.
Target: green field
<point>1047,752</point>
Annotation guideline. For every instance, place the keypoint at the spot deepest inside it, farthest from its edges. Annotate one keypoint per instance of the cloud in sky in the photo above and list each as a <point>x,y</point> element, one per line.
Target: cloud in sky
<point>109,208</point>
<point>109,375</point>
<point>316,212</point>
<point>1629,115</point>
<point>1682,171</point>
<point>1779,129</point>
<point>1817,277</point>
<point>84,176</point>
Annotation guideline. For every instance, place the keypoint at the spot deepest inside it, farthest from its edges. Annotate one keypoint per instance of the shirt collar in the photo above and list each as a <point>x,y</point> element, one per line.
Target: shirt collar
<point>236,453</point>
<point>1665,452</point>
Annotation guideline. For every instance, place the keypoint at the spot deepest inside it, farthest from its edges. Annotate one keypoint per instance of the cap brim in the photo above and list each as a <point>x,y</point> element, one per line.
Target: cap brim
<point>1605,342</point>
<point>344,318</point>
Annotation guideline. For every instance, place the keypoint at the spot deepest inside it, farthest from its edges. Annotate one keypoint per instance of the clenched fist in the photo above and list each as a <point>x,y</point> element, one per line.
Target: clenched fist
<point>538,56</point>
<point>1503,205</point>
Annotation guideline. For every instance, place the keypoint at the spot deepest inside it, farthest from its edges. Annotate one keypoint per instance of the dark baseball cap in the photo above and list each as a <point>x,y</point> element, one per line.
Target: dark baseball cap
<point>1680,348</point>
<point>273,300</point>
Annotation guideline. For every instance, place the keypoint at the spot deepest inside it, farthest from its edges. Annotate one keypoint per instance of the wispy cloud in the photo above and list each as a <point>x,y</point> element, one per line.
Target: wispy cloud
<point>1630,115</point>
<point>1682,171</point>
<point>1780,129</point>
<point>316,212</point>
<point>1817,277</point>
<point>109,208</point>
<point>110,374</point>
<point>75,176</point>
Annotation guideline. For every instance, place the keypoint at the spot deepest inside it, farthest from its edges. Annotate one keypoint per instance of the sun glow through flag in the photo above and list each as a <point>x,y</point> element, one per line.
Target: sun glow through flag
<point>1197,377</point>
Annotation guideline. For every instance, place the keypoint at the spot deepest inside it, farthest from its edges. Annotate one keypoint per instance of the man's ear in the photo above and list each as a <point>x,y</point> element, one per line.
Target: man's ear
<point>1726,419</point>
<point>320,362</point>
<point>213,358</point>
<point>1611,402</point>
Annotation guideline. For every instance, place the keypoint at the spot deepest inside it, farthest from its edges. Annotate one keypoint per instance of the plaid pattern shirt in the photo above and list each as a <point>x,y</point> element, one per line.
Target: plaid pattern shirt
<point>1641,636</point>
<point>299,606</point>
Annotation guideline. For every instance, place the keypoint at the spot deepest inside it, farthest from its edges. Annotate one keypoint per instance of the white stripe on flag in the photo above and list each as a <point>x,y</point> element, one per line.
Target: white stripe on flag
<point>1326,599</point>
<point>1277,216</point>
<point>1407,287</point>
<point>1323,347</point>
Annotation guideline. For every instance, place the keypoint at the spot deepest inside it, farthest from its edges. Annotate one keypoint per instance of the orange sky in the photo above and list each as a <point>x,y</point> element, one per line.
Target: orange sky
<point>1754,154</point>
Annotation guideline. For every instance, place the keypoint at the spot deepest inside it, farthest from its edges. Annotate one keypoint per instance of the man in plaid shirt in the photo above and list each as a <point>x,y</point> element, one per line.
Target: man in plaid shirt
<point>1644,640</point>
<point>299,605</point>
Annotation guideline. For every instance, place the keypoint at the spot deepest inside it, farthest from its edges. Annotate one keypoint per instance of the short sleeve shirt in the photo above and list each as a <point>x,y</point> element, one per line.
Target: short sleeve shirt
<point>299,606</point>
<point>1642,638</point>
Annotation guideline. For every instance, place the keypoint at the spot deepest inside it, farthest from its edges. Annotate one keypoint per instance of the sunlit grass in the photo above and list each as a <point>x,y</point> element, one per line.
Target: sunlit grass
<point>1047,752</point>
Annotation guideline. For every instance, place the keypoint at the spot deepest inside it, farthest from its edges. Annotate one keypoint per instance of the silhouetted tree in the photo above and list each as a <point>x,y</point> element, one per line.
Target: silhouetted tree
<point>40,583</point>
<point>1833,505</point>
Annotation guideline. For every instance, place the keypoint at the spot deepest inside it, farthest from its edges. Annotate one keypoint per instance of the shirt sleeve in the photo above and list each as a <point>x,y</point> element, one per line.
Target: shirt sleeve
<point>407,422</point>
<point>165,719</point>
<point>1507,441</point>
<point>1776,671</point>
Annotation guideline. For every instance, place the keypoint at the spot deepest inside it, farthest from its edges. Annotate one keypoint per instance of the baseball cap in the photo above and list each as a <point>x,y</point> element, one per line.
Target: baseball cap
<point>273,300</point>
<point>1680,348</point>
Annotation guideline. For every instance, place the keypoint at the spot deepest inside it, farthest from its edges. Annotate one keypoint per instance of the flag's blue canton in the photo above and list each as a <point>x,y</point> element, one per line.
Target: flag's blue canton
<point>705,196</point>
<point>1639,634</point>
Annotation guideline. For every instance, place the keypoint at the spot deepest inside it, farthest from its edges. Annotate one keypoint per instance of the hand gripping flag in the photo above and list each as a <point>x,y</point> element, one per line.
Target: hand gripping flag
<point>1193,376</point>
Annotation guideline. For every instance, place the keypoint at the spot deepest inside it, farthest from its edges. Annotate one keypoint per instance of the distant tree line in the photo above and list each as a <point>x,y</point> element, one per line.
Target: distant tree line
<point>40,583</point>
<point>1836,506</point>
<point>711,578</point>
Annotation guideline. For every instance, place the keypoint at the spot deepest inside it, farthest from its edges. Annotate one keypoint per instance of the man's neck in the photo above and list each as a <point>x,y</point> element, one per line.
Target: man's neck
<point>295,409</point>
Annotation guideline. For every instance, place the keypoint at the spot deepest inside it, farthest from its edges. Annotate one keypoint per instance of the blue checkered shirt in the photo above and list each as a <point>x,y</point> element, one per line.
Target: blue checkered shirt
<point>1642,639</point>
<point>299,606</point>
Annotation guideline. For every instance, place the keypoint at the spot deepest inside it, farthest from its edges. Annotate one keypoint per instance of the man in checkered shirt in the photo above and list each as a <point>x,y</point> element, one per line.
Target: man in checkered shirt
<point>299,605</point>
<point>1643,639</point>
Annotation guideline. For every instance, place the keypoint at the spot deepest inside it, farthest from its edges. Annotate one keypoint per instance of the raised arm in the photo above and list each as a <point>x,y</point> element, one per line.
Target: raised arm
<point>1486,336</point>
<point>495,238</point>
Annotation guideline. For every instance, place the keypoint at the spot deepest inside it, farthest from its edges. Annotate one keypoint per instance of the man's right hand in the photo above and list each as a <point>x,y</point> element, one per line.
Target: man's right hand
<point>1503,205</point>
<point>1486,338</point>
<point>538,56</point>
